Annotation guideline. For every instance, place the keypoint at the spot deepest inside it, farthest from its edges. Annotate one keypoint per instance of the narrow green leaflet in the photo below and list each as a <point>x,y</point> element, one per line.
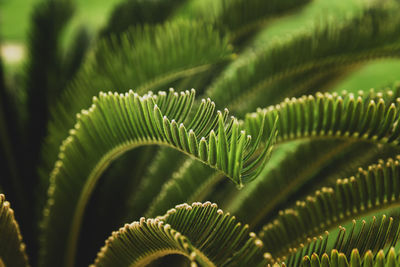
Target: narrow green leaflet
<point>201,232</point>
<point>117,123</point>
<point>12,249</point>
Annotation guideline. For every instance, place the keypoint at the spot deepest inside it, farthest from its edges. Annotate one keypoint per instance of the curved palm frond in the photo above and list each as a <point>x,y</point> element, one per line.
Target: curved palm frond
<point>325,123</point>
<point>371,190</point>
<point>144,58</point>
<point>200,232</point>
<point>118,123</point>
<point>336,259</point>
<point>261,76</point>
<point>362,240</point>
<point>340,112</point>
<point>12,248</point>
<point>371,117</point>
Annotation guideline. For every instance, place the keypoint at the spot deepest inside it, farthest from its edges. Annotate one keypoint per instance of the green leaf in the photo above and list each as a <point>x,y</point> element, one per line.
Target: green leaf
<point>115,124</point>
<point>12,249</point>
<point>200,232</point>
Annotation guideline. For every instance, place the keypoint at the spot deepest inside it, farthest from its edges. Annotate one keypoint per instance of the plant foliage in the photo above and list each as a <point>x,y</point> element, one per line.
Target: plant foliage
<point>307,174</point>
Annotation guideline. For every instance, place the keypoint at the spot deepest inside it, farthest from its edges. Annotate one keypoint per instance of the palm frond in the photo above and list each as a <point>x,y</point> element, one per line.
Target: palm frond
<point>117,123</point>
<point>328,117</point>
<point>145,58</point>
<point>200,232</point>
<point>255,78</point>
<point>12,249</point>
<point>371,117</point>
<point>373,189</point>
<point>336,259</point>
<point>362,239</point>
<point>322,120</point>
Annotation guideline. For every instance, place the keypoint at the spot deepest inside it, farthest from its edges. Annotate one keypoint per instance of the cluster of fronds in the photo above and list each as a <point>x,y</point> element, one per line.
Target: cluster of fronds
<point>314,172</point>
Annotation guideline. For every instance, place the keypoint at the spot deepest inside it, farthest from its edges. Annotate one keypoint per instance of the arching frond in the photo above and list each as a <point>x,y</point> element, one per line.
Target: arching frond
<point>298,120</point>
<point>258,200</point>
<point>374,189</point>
<point>336,259</point>
<point>117,123</point>
<point>200,232</point>
<point>12,249</point>
<point>364,237</point>
<point>256,78</point>
<point>146,58</point>
<point>370,117</point>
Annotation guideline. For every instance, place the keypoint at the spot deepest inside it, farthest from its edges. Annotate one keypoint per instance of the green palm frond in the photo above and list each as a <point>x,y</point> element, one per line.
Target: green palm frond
<point>201,232</point>
<point>264,76</point>
<point>117,123</point>
<point>336,259</point>
<point>146,59</point>
<point>323,117</point>
<point>12,249</point>
<point>367,239</point>
<point>371,117</point>
<point>374,189</point>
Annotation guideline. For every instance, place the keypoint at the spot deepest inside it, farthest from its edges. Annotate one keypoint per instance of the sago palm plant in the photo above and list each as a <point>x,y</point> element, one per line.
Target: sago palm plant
<point>267,161</point>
